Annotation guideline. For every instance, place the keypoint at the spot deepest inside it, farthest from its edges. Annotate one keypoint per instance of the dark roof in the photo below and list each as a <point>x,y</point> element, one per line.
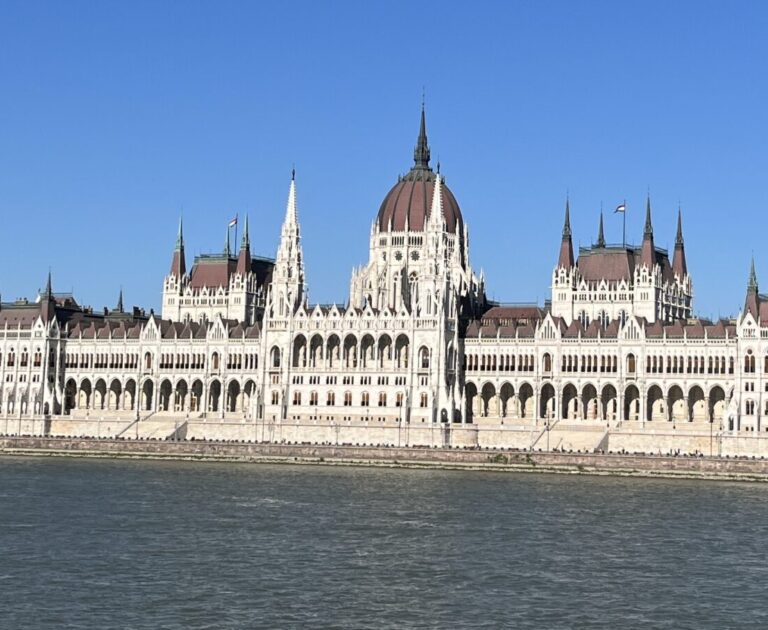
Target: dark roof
<point>615,262</point>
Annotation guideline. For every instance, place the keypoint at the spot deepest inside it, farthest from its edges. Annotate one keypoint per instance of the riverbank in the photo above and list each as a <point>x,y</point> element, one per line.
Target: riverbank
<point>711,468</point>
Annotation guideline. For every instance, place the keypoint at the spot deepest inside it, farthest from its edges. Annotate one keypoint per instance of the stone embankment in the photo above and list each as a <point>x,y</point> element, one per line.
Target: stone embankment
<point>686,467</point>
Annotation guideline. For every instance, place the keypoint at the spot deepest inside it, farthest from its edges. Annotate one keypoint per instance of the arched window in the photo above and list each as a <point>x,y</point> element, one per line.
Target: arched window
<point>275,357</point>
<point>331,399</point>
<point>313,399</point>
<point>547,362</point>
<point>347,399</point>
<point>296,398</point>
<point>147,361</point>
<point>423,402</point>
<point>364,399</point>
<point>584,319</point>
<point>424,357</point>
<point>275,397</point>
<point>631,363</point>
<point>399,399</point>
<point>382,399</point>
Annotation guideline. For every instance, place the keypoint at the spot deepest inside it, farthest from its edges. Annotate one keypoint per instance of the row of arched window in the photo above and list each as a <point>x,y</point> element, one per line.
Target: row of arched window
<point>101,360</point>
<point>503,363</point>
<point>677,364</point>
<point>37,358</point>
<point>347,399</point>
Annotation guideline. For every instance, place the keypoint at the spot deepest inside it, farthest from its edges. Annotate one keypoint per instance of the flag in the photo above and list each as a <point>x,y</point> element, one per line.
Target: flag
<point>233,222</point>
<point>622,207</point>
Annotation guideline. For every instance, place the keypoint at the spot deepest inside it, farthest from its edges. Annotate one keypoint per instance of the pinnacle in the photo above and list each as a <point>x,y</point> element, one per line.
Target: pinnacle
<point>421,152</point>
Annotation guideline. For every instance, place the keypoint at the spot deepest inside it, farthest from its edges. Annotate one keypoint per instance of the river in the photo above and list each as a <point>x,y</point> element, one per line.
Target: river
<point>126,544</point>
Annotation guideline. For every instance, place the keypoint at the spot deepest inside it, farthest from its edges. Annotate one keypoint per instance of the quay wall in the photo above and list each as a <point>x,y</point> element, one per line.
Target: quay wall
<point>715,468</point>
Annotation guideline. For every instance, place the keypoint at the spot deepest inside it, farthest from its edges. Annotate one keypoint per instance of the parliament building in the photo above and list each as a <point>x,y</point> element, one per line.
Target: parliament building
<point>418,355</point>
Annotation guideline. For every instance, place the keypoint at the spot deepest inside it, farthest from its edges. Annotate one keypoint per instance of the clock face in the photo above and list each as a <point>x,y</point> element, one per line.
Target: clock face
<point>414,255</point>
<point>398,255</point>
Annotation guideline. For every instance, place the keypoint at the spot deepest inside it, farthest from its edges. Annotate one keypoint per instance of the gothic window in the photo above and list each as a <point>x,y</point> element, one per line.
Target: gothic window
<point>424,357</point>
<point>382,399</point>
<point>364,399</point>
<point>347,399</point>
<point>275,397</point>
<point>331,399</point>
<point>630,364</point>
<point>296,398</point>
<point>547,362</point>
<point>275,356</point>
<point>584,318</point>
<point>313,399</point>
<point>603,317</point>
<point>399,399</point>
<point>423,401</point>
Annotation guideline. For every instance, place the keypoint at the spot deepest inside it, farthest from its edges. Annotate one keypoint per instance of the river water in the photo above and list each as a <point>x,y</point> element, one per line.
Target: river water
<point>127,544</point>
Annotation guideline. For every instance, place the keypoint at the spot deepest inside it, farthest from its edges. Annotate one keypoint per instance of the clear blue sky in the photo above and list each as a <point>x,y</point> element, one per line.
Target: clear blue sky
<point>116,115</point>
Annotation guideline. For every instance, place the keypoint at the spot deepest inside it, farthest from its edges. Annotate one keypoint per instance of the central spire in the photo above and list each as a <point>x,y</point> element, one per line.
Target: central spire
<point>421,152</point>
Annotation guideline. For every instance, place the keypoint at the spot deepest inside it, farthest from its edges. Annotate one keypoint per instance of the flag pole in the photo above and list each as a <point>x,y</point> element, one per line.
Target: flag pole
<point>624,226</point>
<point>236,222</point>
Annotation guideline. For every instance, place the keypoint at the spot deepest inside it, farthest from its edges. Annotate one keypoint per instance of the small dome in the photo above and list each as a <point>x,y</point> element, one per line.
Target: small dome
<point>410,200</point>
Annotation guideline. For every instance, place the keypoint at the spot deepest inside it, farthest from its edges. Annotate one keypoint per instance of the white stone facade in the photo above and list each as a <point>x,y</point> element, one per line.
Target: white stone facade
<point>417,348</point>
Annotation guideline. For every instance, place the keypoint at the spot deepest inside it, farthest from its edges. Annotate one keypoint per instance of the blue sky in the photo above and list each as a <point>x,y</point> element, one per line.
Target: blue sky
<point>115,117</point>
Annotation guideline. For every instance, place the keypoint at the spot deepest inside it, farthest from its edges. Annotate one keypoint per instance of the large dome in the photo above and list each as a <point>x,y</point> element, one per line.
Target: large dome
<point>407,205</point>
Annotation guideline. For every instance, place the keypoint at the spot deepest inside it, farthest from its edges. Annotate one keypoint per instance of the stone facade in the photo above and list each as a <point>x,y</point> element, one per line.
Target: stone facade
<point>417,353</point>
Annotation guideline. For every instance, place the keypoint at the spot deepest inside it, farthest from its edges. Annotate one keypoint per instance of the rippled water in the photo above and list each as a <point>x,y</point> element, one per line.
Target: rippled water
<point>121,544</point>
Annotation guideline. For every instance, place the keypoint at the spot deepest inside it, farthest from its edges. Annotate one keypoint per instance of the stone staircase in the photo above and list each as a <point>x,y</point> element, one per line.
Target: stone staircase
<point>573,437</point>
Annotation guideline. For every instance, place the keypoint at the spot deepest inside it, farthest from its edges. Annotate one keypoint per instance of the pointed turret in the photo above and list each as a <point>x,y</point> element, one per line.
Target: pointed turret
<point>421,152</point>
<point>244,258</point>
<point>752,302</point>
<point>288,274</point>
<point>47,303</point>
<point>679,266</point>
<point>566,245</point>
<point>178,262</point>
<point>48,295</point>
<point>648,253</point>
<point>436,209</point>
<point>119,308</point>
<point>600,232</point>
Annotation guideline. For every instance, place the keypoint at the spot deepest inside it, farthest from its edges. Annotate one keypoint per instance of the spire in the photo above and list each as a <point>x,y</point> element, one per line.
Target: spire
<point>47,302</point>
<point>648,231</point>
<point>600,233</point>
<point>244,257</point>
<point>246,240</point>
<point>436,210</point>
<point>566,246</point>
<point>421,152</point>
<point>178,262</point>
<point>291,212</point>
<point>648,252</point>
<point>119,308</point>
<point>679,266</point>
<point>752,302</point>
<point>567,223</point>
<point>752,286</point>
<point>48,295</point>
<point>287,289</point>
